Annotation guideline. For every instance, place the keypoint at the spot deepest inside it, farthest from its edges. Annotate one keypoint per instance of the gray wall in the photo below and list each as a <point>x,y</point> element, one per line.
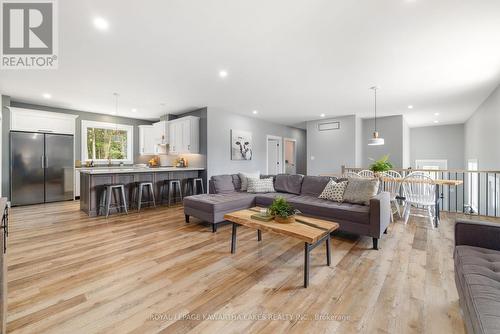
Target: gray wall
<point>82,116</point>
<point>327,151</point>
<point>220,124</point>
<point>445,142</point>
<point>482,133</point>
<point>391,129</point>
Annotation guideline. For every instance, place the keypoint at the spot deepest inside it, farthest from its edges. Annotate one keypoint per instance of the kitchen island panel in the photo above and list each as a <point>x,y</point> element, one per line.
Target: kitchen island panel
<point>92,185</point>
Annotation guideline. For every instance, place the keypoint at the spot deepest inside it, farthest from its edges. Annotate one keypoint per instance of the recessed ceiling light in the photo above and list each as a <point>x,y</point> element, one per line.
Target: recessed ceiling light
<point>134,110</point>
<point>436,114</point>
<point>255,112</point>
<point>101,23</point>
<point>436,121</point>
<point>223,73</point>
<point>322,115</point>
<point>46,96</point>
<point>410,107</point>
<point>113,113</point>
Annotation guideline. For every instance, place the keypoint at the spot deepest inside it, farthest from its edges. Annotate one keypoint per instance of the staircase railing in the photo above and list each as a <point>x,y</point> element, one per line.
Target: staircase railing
<point>478,195</point>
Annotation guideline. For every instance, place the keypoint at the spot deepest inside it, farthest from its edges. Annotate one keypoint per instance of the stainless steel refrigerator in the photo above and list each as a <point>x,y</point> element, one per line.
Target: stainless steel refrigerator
<point>41,167</point>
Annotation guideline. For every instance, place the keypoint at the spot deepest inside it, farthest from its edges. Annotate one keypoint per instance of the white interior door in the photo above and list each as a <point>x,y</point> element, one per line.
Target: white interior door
<point>273,156</point>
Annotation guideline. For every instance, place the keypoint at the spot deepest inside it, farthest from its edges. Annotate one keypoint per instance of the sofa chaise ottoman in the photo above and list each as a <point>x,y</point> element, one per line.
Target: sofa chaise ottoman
<point>302,192</point>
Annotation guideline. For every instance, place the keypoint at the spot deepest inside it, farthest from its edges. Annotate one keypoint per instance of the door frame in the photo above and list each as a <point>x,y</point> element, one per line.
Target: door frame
<point>294,153</point>
<point>280,152</point>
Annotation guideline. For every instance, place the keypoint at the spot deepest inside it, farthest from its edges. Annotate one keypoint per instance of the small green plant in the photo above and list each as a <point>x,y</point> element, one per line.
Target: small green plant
<point>281,208</point>
<point>381,165</point>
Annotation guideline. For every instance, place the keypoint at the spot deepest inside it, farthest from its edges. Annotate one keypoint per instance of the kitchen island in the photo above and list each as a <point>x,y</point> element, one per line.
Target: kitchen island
<point>92,181</point>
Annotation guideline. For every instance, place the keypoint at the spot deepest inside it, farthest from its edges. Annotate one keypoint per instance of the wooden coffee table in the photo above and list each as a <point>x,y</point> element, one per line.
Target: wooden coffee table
<point>310,230</point>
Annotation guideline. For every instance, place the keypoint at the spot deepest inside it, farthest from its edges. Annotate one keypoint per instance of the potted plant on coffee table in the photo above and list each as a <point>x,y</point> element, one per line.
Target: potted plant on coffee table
<point>282,211</point>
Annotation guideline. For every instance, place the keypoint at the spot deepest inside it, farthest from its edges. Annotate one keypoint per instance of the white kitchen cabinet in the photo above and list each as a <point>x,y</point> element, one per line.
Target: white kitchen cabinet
<point>184,136</point>
<point>41,121</point>
<point>147,140</point>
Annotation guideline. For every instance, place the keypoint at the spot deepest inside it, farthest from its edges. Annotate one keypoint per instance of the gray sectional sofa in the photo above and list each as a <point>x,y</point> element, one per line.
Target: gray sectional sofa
<point>477,274</point>
<point>302,192</point>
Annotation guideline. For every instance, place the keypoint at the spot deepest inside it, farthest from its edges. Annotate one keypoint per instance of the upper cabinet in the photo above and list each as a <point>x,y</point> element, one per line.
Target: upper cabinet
<point>41,121</point>
<point>184,135</point>
<point>147,145</point>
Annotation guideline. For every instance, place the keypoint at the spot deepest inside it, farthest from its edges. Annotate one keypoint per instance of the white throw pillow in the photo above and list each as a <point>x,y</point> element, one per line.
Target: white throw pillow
<point>260,185</point>
<point>244,179</point>
<point>334,191</point>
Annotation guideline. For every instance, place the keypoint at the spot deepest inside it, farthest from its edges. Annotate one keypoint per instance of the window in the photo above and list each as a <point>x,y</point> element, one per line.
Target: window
<point>432,165</point>
<point>104,141</point>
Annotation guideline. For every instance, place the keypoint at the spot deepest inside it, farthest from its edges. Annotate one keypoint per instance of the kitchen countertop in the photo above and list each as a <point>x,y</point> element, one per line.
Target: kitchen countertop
<point>117,170</point>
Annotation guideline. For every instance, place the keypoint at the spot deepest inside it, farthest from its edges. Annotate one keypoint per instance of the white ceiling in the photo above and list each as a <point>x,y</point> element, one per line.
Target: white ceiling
<point>291,60</point>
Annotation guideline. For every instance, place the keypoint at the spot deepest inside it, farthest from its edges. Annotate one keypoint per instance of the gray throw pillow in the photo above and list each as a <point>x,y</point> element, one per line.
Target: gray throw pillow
<point>260,185</point>
<point>360,190</point>
<point>223,184</point>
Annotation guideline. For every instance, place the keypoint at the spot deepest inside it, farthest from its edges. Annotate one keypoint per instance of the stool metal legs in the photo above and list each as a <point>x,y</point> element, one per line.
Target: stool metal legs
<point>108,193</point>
<point>140,190</point>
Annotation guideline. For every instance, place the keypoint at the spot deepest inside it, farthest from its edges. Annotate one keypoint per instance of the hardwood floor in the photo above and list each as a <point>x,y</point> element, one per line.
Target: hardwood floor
<point>142,273</point>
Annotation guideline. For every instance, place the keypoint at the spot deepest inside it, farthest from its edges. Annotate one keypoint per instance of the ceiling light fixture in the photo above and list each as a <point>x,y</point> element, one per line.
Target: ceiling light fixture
<point>322,115</point>
<point>46,96</point>
<point>134,110</point>
<point>436,114</point>
<point>223,73</point>
<point>255,112</point>
<point>436,121</point>
<point>101,23</point>
<point>375,140</point>
<point>410,107</point>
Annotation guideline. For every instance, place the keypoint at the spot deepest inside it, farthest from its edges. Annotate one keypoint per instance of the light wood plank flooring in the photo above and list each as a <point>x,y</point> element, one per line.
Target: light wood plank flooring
<point>150,272</point>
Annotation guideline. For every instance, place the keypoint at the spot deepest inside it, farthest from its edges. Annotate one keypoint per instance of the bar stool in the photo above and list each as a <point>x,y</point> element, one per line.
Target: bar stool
<point>109,189</point>
<point>192,184</point>
<point>172,186</point>
<point>139,191</point>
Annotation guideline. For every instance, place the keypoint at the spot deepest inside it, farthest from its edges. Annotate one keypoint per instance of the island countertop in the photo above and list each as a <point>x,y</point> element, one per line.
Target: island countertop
<point>124,170</point>
<point>93,181</point>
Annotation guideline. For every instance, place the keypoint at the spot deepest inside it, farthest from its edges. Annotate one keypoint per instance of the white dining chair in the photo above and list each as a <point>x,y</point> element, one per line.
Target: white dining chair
<point>352,174</point>
<point>419,190</point>
<point>365,173</point>
<point>392,186</point>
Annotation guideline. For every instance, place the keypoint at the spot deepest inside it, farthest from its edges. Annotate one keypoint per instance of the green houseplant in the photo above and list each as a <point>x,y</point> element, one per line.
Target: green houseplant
<point>381,165</point>
<point>282,211</point>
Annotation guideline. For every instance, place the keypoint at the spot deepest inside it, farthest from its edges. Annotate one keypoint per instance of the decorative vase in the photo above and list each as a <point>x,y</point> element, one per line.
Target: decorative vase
<point>282,220</point>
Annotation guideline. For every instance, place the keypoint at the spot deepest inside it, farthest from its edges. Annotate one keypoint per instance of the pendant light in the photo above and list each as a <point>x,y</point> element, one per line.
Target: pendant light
<point>375,140</point>
<point>115,136</point>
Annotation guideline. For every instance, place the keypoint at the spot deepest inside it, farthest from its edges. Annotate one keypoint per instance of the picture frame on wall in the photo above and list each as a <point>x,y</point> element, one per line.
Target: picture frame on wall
<point>241,145</point>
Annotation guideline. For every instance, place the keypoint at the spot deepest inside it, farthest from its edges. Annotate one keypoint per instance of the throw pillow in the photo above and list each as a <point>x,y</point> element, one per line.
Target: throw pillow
<point>334,191</point>
<point>223,184</point>
<point>360,190</point>
<point>260,185</point>
<point>244,179</point>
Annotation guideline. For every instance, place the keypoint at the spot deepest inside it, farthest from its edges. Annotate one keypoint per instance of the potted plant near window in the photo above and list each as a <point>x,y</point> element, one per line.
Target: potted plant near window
<point>381,165</point>
<point>283,212</point>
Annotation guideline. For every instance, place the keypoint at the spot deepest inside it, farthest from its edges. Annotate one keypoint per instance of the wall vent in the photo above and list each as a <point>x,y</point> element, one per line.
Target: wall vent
<point>328,126</point>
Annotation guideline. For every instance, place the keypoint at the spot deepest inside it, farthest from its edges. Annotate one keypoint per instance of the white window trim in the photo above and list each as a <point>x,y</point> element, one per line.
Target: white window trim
<point>113,126</point>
